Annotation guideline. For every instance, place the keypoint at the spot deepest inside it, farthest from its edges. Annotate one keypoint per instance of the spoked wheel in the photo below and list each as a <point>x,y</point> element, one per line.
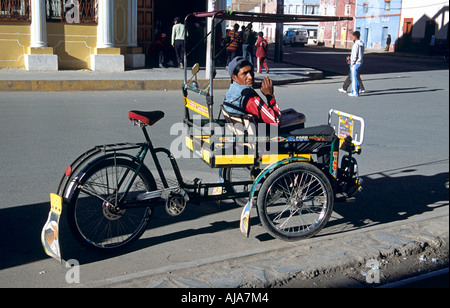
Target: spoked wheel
<point>295,201</point>
<point>96,217</point>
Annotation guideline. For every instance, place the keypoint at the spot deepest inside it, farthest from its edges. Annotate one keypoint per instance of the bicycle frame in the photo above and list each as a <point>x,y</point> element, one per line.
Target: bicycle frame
<point>198,191</point>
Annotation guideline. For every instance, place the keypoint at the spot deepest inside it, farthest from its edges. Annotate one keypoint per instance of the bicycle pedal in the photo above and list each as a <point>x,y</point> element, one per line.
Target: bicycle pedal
<point>176,202</point>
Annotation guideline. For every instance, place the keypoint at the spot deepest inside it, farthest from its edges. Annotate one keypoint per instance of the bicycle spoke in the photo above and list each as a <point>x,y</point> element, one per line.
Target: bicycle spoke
<point>295,202</point>
<point>99,218</point>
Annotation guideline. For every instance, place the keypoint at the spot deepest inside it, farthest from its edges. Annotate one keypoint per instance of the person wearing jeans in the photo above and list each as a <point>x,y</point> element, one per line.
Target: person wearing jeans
<point>356,60</point>
<point>348,81</point>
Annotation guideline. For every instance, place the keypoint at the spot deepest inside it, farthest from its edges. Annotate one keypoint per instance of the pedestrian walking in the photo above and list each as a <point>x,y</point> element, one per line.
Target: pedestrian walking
<point>261,53</point>
<point>348,81</point>
<point>356,60</point>
<point>178,32</point>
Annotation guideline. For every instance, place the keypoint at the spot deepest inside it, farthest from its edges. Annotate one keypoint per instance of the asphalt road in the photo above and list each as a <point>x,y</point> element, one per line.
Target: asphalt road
<point>404,164</point>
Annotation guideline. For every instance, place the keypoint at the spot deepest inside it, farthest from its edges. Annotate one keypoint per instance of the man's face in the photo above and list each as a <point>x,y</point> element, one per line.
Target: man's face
<point>245,76</point>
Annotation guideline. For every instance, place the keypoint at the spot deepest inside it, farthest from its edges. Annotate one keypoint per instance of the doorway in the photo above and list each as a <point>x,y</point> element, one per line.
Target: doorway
<point>145,24</point>
<point>407,33</point>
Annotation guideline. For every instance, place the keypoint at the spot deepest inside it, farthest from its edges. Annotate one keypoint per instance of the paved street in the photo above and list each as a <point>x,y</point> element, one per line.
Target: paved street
<point>404,164</point>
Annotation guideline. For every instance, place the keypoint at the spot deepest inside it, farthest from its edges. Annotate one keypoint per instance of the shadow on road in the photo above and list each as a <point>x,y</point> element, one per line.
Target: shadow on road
<point>385,199</point>
<point>332,62</point>
<point>391,198</point>
<point>395,91</point>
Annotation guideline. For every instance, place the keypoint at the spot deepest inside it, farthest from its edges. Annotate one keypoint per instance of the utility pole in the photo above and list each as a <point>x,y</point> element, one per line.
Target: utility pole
<point>279,34</point>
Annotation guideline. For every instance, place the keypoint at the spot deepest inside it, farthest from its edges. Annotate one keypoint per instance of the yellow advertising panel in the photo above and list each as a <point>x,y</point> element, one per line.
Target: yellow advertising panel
<point>200,109</point>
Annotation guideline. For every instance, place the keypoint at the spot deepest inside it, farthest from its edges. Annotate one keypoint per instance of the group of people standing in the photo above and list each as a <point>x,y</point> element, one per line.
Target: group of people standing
<point>242,43</point>
<point>236,43</point>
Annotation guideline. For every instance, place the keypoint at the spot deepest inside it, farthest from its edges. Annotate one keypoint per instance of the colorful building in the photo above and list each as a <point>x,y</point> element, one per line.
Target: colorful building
<point>294,7</point>
<point>100,35</point>
<point>413,25</point>
<point>336,34</point>
<point>71,34</point>
<point>375,20</point>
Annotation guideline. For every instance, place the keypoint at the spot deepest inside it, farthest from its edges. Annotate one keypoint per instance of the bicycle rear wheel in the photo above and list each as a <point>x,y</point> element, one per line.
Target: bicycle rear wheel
<point>95,216</point>
<point>295,201</point>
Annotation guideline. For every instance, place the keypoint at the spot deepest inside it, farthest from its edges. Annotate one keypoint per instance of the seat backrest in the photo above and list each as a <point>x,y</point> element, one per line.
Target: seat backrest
<point>239,124</point>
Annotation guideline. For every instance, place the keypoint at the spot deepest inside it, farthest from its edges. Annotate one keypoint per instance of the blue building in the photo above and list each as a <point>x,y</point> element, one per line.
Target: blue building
<point>376,19</point>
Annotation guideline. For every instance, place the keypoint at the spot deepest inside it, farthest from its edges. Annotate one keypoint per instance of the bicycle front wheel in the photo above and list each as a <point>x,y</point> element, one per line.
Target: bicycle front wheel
<point>96,217</point>
<point>295,201</point>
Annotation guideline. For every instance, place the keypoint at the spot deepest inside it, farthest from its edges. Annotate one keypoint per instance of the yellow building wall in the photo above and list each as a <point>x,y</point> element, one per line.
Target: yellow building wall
<point>72,43</point>
<point>14,39</point>
<point>121,24</point>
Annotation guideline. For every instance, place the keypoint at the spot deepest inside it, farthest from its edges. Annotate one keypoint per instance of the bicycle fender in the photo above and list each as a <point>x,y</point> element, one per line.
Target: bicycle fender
<point>245,214</point>
<point>72,186</point>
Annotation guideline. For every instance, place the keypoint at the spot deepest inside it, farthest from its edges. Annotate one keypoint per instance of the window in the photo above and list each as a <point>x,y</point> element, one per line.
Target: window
<point>81,11</point>
<point>366,7</point>
<point>347,9</point>
<point>311,10</point>
<point>15,9</point>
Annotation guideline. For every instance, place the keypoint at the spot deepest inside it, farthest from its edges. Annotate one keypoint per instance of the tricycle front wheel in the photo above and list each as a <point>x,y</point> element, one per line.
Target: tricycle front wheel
<point>295,201</point>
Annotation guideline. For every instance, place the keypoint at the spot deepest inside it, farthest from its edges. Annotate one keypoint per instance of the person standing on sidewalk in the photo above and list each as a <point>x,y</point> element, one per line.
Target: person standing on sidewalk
<point>356,60</point>
<point>248,42</point>
<point>178,32</point>
<point>232,40</point>
<point>388,42</point>
<point>261,53</point>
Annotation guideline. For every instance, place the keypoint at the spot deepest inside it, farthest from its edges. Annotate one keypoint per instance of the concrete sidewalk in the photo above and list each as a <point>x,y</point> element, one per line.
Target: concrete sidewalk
<point>299,260</point>
<point>140,79</point>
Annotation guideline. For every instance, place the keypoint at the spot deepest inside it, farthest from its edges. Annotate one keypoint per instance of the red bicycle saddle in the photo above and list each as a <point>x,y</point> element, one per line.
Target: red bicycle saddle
<point>146,117</point>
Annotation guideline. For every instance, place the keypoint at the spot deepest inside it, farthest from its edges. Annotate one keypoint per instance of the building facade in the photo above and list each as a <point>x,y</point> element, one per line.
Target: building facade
<point>99,35</point>
<point>412,24</point>
<point>295,7</point>
<point>422,24</point>
<point>337,34</point>
<point>72,34</point>
<point>375,20</point>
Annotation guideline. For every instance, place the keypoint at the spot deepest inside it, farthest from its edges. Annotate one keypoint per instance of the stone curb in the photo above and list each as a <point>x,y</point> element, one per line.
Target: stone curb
<point>268,267</point>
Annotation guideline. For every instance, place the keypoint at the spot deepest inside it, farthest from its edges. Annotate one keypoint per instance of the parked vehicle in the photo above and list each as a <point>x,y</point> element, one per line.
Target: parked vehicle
<point>293,178</point>
<point>295,36</point>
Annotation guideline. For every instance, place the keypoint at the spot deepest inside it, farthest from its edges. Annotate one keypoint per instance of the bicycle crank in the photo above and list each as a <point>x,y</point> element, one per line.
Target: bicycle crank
<point>176,202</point>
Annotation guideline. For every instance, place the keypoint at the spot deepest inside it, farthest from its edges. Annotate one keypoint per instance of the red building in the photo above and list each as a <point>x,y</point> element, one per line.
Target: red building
<point>337,34</point>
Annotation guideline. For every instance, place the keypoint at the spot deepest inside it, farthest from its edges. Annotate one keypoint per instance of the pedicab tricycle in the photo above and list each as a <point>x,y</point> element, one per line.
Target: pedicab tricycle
<point>293,178</point>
